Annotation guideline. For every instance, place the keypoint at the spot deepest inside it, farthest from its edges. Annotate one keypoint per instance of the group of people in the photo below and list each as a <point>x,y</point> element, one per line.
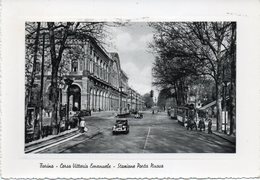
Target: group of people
<point>202,126</point>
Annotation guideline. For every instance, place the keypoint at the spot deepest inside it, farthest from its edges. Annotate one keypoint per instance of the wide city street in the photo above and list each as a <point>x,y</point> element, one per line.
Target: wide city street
<point>155,133</point>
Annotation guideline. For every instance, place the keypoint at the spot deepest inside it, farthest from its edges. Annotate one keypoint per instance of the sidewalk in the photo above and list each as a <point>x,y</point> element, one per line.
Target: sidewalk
<point>34,145</point>
<point>229,138</point>
<point>103,113</point>
<point>90,132</point>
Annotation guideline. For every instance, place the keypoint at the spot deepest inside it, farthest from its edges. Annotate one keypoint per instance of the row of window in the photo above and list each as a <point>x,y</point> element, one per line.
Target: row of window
<point>97,66</point>
<point>98,70</point>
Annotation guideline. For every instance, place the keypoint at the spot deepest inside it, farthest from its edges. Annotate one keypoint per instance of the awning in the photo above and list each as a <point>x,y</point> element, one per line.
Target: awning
<point>208,105</point>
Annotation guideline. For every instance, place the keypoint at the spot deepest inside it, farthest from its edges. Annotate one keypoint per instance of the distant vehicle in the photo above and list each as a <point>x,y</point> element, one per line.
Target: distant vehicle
<point>84,113</point>
<point>184,114</point>
<point>138,115</point>
<point>121,126</point>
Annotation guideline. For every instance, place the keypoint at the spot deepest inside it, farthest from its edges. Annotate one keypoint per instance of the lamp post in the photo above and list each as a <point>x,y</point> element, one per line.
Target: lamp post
<point>68,82</point>
<point>120,101</point>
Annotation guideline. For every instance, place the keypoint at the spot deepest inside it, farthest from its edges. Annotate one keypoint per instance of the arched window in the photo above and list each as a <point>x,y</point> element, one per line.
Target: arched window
<point>100,67</point>
<point>107,72</point>
<point>91,51</point>
<point>74,66</point>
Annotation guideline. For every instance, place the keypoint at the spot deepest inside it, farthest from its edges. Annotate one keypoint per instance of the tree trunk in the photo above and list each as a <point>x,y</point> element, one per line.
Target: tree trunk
<point>54,99</point>
<point>54,78</point>
<point>218,105</point>
<point>34,60</point>
<point>176,95</point>
<point>29,96</point>
<point>233,81</point>
<point>55,62</point>
<point>182,93</point>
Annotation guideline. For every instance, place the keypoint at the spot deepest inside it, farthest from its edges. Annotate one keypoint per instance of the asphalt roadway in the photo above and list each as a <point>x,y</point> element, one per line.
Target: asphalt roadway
<point>155,133</point>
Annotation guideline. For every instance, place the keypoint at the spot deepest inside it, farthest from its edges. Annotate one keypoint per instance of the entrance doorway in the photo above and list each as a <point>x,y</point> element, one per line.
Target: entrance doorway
<point>74,94</point>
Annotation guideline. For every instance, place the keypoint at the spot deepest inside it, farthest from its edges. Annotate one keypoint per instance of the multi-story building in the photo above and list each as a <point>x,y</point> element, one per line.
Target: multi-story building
<point>98,82</point>
<point>135,100</point>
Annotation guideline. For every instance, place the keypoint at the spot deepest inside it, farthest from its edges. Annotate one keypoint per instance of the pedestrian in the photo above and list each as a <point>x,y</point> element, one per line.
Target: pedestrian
<point>209,126</point>
<point>201,125</point>
<point>82,126</point>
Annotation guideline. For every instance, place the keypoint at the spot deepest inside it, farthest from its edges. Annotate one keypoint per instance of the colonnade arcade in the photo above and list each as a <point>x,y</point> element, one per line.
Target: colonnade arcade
<point>104,100</point>
<point>97,98</point>
<point>100,99</point>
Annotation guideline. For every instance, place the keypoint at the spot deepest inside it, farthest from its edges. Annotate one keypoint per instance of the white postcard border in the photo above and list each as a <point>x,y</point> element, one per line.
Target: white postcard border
<point>244,163</point>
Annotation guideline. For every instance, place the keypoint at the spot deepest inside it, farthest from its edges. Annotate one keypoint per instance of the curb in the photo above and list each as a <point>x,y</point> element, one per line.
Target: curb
<point>218,135</point>
<point>88,137</point>
<point>232,142</point>
<point>46,143</point>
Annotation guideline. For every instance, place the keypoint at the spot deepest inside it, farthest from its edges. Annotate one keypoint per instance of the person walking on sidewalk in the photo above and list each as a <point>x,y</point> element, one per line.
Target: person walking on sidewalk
<point>210,126</point>
<point>82,126</point>
<point>201,125</point>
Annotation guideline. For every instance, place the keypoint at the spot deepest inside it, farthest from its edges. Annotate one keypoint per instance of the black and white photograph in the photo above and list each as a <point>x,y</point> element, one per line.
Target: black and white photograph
<point>130,87</point>
<point>140,89</point>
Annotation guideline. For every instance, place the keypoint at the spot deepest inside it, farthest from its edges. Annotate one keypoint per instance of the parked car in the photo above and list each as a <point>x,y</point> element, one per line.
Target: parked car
<point>121,126</point>
<point>84,113</point>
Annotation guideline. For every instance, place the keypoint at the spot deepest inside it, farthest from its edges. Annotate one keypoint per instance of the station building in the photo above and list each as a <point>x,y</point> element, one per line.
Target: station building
<point>98,81</point>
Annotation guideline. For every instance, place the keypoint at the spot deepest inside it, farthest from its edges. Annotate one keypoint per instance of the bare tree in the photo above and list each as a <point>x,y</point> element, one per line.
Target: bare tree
<point>59,37</point>
<point>192,49</point>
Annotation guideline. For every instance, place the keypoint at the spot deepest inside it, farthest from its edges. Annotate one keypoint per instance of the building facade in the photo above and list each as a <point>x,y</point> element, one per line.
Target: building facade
<point>98,82</point>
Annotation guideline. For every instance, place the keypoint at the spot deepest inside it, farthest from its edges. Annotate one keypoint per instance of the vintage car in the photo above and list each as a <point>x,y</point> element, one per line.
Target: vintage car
<point>85,112</point>
<point>138,115</point>
<point>121,126</point>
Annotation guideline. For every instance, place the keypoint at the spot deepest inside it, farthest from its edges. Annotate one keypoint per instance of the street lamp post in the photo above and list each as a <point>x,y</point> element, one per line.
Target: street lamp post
<point>68,82</point>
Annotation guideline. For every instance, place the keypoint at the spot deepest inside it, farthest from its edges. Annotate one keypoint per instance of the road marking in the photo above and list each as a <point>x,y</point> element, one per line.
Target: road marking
<point>54,144</point>
<point>146,139</point>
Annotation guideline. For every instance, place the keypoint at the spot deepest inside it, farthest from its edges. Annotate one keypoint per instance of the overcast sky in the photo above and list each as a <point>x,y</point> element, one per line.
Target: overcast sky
<point>131,43</point>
